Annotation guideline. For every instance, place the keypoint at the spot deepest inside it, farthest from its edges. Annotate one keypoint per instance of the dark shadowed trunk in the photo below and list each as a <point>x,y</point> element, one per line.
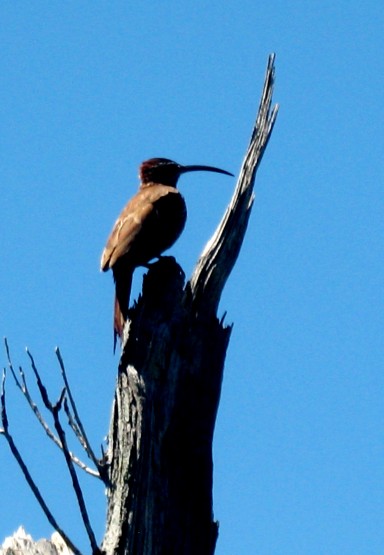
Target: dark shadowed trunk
<point>162,424</point>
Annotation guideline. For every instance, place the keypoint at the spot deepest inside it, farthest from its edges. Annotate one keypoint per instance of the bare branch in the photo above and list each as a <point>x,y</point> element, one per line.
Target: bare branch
<point>75,481</point>
<point>26,473</point>
<point>7,352</point>
<point>221,252</point>
<point>23,386</point>
<point>4,419</point>
<point>35,409</point>
<point>75,422</point>
<point>40,385</point>
<point>54,409</point>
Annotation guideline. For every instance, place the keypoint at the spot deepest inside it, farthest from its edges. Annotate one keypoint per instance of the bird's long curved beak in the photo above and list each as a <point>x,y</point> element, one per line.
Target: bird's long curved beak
<point>185,169</point>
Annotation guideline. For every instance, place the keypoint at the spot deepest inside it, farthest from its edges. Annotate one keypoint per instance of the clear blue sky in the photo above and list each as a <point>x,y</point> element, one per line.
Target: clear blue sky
<point>88,91</point>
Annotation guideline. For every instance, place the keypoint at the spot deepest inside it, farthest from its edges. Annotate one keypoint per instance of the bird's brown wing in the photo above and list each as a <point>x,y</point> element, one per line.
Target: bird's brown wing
<point>130,223</point>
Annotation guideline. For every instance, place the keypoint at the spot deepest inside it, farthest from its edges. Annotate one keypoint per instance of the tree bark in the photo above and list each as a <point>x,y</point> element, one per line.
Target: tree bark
<point>168,388</point>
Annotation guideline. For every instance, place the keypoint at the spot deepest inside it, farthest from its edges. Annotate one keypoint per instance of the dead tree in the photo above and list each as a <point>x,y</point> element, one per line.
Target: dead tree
<point>158,464</point>
<point>168,388</point>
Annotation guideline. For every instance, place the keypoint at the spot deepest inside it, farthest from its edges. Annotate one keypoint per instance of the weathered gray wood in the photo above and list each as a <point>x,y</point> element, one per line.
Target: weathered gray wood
<point>163,416</point>
<point>168,389</point>
<point>221,252</point>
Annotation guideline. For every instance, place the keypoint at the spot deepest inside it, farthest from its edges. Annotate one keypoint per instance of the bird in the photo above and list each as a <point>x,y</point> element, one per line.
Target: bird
<point>149,224</point>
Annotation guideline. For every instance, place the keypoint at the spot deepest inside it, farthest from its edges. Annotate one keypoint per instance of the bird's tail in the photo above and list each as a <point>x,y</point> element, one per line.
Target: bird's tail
<point>123,283</point>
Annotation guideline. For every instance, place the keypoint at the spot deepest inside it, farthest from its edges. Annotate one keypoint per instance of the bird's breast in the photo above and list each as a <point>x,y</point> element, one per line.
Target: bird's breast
<point>149,224</point>
<point>153,221</point>
<point>165,222</point>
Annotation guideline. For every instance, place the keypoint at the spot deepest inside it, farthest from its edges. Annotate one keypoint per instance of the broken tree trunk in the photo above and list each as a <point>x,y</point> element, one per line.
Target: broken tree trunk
<point>168,388</point>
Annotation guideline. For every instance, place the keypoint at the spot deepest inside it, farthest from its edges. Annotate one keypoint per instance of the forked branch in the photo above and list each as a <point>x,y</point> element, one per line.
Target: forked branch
<point>21,383</point>
<point>74,421</point>
<point>59,439</point>
<point>27,475</point>
<point>55,409</point>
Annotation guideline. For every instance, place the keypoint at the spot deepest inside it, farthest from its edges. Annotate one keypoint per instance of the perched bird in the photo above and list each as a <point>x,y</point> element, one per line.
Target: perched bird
<point>148,225</point>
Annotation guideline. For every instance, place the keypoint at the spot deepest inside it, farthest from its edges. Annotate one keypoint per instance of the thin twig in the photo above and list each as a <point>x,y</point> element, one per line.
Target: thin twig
<point>7,352</point>
<point>54,410</point>
<point>84,441</point>
<point>15,452</point>
<point>40,385</point>
<point>23,386</point>
<point>73,424</point>
<point>75,481</point>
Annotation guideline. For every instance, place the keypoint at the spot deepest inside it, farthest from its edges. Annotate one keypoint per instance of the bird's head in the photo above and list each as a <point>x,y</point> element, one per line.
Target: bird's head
<point>166,172</point>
